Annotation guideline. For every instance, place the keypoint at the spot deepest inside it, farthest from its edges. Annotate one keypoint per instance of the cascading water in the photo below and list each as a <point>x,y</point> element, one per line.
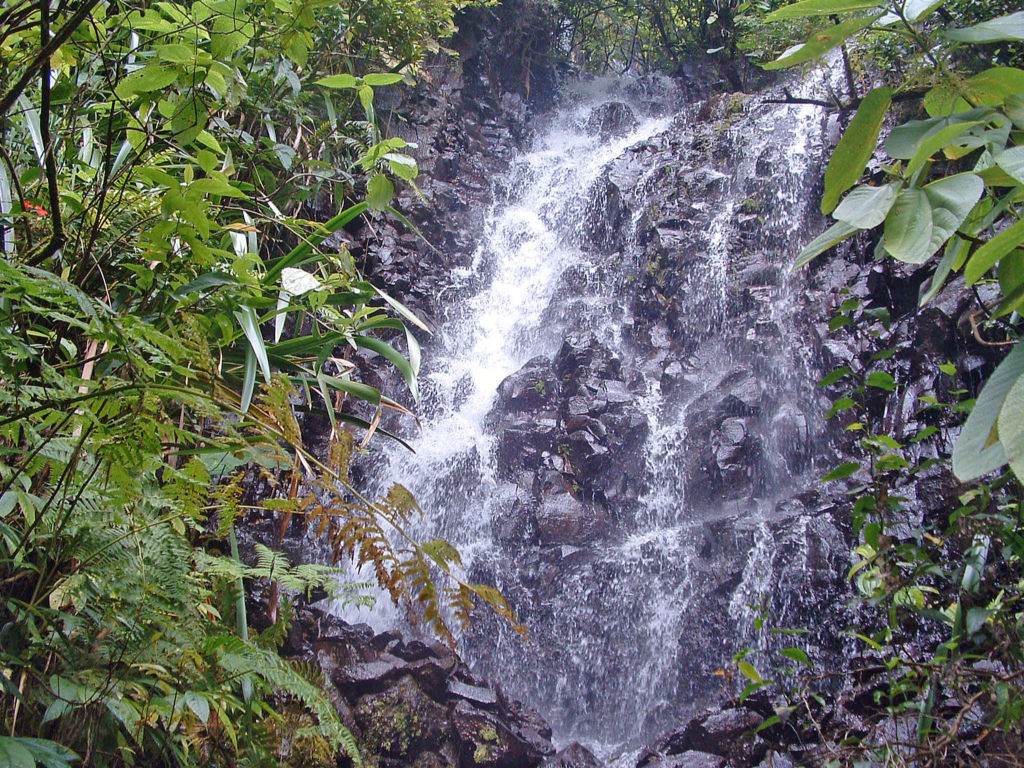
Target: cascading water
<point>648,333</point>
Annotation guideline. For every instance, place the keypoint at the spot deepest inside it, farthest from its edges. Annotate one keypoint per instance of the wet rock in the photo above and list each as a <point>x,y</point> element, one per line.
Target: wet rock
<point>532,388</point>
<point>486,741</point>
<point>401,720</point>
<point>474,694</point>
<point>690,759</point>
<point>573,756</point>
<point>612,119</point>
<point>564,519</point>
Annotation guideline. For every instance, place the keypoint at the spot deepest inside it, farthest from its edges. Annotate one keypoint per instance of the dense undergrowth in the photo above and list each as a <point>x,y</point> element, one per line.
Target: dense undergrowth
<point>158,345</point>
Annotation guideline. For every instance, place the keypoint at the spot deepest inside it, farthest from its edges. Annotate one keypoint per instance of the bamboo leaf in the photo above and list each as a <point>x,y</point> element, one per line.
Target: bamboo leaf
<point>250,325</point>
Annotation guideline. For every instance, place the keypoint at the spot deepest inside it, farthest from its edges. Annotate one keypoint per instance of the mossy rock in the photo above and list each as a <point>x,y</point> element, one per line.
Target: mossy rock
<point>401,721</point>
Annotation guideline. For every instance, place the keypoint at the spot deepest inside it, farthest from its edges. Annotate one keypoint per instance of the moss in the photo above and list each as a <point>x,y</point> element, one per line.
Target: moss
<point>487,733</point>
<point>751,205</point>
<point>482,753</point>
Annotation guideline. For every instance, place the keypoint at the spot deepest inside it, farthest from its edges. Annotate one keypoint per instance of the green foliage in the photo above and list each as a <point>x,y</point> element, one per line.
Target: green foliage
<point>157,347</point>
<point>943,640</point>
<point>955,180</point>
<point>626,34</point>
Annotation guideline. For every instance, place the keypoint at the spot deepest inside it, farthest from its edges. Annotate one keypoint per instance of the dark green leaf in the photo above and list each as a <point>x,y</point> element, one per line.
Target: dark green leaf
<point>827,239</point>
<point>379,191</point>
<point>854,150</point>
<point>908,227</point>
<point>866,207</point>
<point>382,78</point>
<point>831,378</point>
<point>822,42</point>
<point>986,257</point>
<point>1011,427</point>
<point>807,8</point>
<point>796,655</point>
<point>337,81</point>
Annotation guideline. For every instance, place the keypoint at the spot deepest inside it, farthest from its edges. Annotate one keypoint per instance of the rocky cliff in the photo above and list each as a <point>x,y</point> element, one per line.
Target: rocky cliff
<point>644,479</point>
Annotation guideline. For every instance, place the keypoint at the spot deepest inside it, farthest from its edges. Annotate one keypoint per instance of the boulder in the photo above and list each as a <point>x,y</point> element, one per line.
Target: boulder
<point>613,118</point>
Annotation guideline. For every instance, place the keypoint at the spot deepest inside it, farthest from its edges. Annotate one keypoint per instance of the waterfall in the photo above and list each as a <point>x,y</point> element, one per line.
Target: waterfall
<point>653,238</point>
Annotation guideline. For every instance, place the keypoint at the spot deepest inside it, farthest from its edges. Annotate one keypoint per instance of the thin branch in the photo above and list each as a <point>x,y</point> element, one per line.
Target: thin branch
<point>42,58</point>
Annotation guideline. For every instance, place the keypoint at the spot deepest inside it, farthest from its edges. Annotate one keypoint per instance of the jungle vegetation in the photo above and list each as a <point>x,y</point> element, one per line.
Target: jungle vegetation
<point>167,317</point>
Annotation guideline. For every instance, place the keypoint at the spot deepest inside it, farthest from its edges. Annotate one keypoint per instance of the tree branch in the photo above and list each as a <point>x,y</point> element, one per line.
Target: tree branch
<point>43,56</point>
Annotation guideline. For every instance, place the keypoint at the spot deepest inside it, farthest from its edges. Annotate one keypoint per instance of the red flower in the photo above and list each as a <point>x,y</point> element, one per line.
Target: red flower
<point>38,210</point>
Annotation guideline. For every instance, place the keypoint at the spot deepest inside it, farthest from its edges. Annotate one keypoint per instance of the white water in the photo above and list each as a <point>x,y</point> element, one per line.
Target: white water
<point>606,656</point>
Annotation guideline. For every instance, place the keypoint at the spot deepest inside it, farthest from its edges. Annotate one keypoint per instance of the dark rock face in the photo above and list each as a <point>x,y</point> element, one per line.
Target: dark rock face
<point>415,703</point>
<point>711,330</point>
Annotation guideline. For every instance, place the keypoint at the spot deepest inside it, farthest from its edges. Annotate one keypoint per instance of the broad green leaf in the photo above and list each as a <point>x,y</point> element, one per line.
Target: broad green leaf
<point>1014,109</point>
<point>403,166</point>
<point>903,140</point>
<point>978,449</point>
<point>881,380</point>
<point>842,404</point>
<point>366,99</point>
<point>152,77</point>
<point>14,754</point>
<point>250,325</point>
<point>298,281</point>
<point>993,87</point>
<point>820,8</point>
<point>931,144</point>
<point>952,199</point>
<point>379,191</point>
<point>831,378</point>
<point>908,227</point>
<point>822,42</point>
<point>841,472</point>
<point>1003,28</point>
<point>337,81</point>
<point>1011,427</point>
<point>976,618</point>
<point>49,753</point>
<point>866,207</point>
<point>382,78</point>
<point>198,704</point>
<point>1011,283</point>
<point>1012,161</point>
<point>918,10</point>
<point>215,186</point>
<point>854,150</point>
<point>827,239</point>
<point>986,257</point>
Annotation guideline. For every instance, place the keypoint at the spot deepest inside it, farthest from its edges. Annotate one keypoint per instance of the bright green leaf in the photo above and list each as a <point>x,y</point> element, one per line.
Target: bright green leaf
<point>978,449</point>
<point>866,207</point>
